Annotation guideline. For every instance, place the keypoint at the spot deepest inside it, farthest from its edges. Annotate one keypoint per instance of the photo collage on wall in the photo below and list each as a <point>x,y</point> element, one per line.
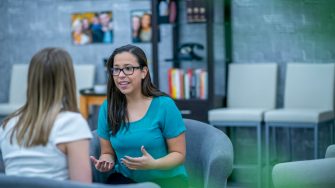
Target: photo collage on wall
<point>92,27</point>
<point>97,27</point>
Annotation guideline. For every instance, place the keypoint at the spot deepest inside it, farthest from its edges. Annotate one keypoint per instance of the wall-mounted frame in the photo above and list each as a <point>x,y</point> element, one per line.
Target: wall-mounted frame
<point>141,30</point>
<point>92,27</point>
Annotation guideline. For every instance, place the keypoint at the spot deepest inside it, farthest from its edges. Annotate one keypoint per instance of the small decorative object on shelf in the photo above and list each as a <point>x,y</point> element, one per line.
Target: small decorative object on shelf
<point>196,11</point>
<point>167,11</point>
<point>187,52</point>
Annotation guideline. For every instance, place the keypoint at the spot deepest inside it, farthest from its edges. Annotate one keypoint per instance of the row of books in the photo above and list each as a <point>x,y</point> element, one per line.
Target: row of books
<point>188,84</point>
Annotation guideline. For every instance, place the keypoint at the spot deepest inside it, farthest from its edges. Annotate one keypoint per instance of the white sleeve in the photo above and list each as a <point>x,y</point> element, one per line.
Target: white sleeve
<point>69,127</point>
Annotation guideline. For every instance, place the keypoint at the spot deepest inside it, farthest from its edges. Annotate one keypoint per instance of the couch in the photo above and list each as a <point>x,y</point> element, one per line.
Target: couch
<point>318,173</point>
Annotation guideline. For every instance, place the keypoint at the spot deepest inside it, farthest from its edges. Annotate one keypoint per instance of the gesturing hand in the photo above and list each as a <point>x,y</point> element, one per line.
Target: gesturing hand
<point>104,164</point>
<point>140,163</point>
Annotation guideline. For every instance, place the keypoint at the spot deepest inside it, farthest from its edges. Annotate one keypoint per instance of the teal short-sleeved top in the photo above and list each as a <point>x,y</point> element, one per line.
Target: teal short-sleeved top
<point>162,121</point>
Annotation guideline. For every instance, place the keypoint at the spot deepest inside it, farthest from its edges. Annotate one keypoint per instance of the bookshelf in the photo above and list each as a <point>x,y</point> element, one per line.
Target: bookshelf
<point>193,106</point>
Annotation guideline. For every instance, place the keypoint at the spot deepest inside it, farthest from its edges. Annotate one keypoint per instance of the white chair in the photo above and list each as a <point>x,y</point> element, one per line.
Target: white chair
<point>17,89</point>
<point>85,74</point>
<point>251,91</point>
<point>308,102</point>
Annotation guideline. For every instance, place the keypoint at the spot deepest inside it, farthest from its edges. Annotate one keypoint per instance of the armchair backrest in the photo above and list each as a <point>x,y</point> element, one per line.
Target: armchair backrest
<point>85,75</point>
<point>95,151</point>
<point>18,84</point>
<point>309,86</point>
<point>330,153</point>
<point>252,85</point>
<point>209,155</point>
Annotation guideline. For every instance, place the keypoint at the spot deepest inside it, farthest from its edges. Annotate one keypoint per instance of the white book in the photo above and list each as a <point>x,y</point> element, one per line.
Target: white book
<point>177,83</point>
<point>204,78</point>
<point>187,85</point>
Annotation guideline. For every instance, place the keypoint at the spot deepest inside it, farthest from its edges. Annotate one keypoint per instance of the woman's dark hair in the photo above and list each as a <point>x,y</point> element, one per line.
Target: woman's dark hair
<point>117,103</point>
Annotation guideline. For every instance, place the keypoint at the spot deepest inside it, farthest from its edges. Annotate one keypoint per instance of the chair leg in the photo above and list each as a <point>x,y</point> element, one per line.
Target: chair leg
<point>274,144</point>
<point>290,144</point>
<point>332,124</point>
<point>316,149</point>
<point>267,157</point>
<point>259,155</point>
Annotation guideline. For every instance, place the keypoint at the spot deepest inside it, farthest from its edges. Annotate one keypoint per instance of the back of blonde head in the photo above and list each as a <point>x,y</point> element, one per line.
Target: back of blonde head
<point>51,89</point>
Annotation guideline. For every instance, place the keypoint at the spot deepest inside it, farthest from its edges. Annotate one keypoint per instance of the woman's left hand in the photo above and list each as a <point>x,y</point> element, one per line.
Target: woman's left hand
<point>140,163</point>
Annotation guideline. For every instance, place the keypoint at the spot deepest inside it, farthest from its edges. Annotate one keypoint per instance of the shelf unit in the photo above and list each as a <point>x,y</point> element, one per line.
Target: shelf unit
<point>190,108</point>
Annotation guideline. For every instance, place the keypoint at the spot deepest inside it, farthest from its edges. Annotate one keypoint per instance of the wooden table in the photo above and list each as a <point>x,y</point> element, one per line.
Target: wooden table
<point>87,98</point>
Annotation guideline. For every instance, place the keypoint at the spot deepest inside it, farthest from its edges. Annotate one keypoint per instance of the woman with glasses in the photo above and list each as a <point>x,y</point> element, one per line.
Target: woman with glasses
<point>142,134</point>
<point>47,137</point>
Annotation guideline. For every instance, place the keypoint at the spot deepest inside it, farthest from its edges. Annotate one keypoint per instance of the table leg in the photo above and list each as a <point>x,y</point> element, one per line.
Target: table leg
<point>83,106</point>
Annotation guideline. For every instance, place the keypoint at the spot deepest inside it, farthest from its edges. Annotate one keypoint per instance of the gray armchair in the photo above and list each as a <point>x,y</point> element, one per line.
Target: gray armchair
<point>209,156</point>
<point>318,173</point>
<point>209,162</point>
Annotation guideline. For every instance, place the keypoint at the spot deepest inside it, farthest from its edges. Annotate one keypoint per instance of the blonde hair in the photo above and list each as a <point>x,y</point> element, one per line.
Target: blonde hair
<point>51,89</point>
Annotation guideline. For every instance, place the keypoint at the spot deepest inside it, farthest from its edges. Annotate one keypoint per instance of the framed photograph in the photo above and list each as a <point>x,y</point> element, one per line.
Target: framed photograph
<point>141,26</point>
<point>92,27</point>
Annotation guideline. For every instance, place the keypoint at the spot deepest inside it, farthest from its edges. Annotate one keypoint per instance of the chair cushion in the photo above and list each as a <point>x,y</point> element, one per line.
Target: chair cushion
<point>18,84</point>
<point>6,108</point>
<point>236,114</point>
<point>299,115</point>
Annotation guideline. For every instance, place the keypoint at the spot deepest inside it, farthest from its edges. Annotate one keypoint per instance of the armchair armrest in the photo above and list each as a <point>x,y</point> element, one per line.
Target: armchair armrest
<point>209,158</point>
<point>99,177</point>
<point>307,174</point>
<point>330,151</point>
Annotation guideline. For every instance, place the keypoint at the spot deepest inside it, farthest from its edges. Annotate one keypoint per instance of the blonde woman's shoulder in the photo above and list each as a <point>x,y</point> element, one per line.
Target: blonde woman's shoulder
<point>70,117</point>
<point>69,126</point>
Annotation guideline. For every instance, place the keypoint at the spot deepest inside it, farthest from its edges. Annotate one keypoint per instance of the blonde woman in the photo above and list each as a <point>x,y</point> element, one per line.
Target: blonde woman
<point>47,137</point>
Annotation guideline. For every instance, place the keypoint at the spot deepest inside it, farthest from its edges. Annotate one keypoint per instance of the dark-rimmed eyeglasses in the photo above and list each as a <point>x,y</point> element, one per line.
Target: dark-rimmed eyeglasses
<point>126,70</point>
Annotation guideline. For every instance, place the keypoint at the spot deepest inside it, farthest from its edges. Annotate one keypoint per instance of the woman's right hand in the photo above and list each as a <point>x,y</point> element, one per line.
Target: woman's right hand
<point>104,164</point>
